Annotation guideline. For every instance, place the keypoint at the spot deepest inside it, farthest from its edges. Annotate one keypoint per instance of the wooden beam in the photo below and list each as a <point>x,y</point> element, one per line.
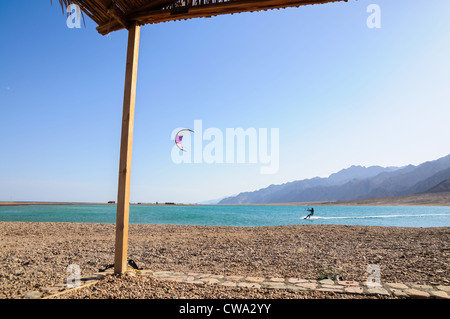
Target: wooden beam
<point>123,196</point>
<point>117,14</point>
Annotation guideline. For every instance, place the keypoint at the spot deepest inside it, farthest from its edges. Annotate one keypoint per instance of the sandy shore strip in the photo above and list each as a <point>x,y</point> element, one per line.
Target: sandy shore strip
<point>36,255</point>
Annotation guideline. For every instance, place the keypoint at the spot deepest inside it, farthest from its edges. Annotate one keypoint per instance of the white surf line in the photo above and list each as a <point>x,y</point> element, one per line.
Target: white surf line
<point>375,216</point>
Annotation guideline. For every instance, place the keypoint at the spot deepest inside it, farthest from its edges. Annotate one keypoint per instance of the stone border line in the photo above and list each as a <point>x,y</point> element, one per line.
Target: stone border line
<point>326,285</point>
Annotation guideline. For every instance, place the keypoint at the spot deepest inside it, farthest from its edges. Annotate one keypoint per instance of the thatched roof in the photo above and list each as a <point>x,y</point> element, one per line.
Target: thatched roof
<point>113,15</point>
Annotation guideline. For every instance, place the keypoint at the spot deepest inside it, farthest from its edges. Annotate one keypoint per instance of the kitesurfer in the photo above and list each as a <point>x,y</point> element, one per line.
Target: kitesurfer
<point>311,212</point>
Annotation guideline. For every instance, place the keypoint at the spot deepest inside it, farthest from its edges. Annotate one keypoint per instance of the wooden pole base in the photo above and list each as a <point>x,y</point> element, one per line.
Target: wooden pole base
<point>123,196</point>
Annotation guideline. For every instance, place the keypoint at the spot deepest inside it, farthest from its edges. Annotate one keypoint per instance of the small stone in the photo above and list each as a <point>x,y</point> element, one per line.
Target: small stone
<point>414,293</point>
<point>33,295</point>
<point>396,285</point>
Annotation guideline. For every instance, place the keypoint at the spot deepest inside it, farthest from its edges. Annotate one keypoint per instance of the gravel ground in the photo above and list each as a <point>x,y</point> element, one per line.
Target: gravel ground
<point>36,255</point>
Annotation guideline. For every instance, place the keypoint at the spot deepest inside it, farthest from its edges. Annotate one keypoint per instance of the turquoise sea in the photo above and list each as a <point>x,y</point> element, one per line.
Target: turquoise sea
<point>236,215</point>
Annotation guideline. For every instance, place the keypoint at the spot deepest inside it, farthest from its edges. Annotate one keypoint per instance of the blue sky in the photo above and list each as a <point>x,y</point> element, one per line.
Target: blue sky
<point>339,93</point>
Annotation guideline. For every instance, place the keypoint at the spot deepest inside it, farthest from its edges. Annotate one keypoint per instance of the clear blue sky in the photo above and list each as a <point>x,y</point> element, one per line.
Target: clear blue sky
<point>339,93</point>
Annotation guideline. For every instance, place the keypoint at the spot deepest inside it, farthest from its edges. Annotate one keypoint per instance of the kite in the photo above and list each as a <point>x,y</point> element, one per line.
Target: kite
<point>179,138</point>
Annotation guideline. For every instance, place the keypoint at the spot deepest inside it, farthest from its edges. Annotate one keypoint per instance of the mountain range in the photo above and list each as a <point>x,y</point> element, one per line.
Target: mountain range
<point>355,182</point>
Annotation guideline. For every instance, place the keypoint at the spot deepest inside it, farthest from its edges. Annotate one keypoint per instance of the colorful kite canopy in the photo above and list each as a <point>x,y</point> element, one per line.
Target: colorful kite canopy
<point>179,138</point>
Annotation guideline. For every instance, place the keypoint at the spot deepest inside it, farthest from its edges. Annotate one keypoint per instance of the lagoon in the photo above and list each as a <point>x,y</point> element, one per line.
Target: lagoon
<point>235,215</point>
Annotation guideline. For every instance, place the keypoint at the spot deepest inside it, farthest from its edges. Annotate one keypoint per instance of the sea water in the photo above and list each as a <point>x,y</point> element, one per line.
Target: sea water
<point>236,215</point>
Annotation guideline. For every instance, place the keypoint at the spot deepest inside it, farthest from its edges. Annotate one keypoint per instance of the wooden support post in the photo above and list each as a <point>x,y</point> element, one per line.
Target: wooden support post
<point>123,197</point>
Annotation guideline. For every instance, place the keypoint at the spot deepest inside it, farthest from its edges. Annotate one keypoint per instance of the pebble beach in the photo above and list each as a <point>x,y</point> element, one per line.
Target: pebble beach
<point>36,255</point>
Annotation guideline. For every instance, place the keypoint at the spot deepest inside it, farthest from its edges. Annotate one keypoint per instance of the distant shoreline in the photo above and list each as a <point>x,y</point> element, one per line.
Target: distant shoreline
<point>47,203</point>
<point>425,199</point>
<point>84,203</point>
